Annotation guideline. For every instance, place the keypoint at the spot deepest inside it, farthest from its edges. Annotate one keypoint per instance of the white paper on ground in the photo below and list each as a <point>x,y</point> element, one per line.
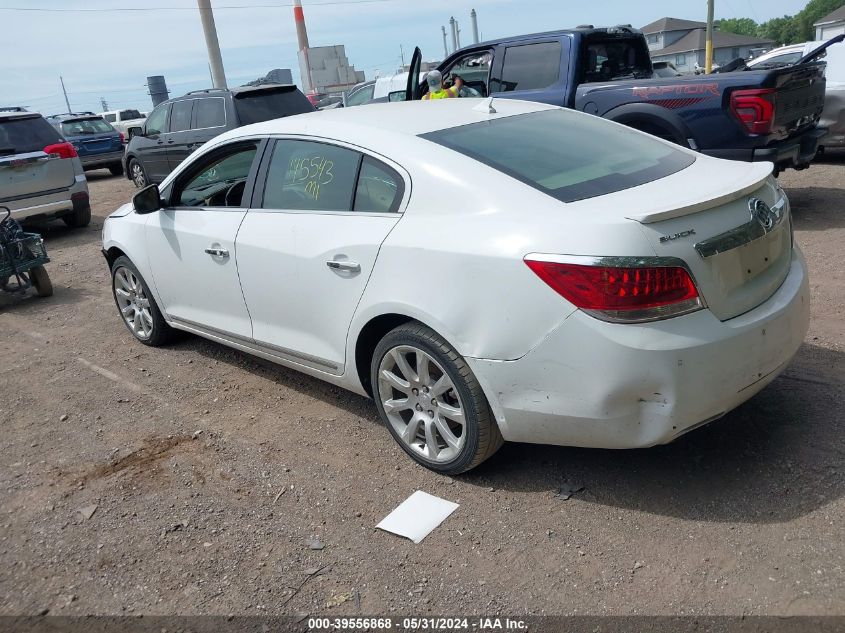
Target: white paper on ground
<point>417,516</point>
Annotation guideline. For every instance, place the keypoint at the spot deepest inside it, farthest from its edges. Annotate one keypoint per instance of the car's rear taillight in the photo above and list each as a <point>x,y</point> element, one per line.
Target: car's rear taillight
<point>627,292</point>
<point>755,109</point>
<point>122,138</point>
<point>62,150</point>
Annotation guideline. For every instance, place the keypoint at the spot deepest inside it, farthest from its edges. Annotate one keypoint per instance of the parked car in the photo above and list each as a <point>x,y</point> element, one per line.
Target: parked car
<point>41,176</point>
<point>12,109</point>
<point>124,120</point>
<point>764,115</point>
<point>97,143</point>
<point>585,284</point>
<point>833,115</point>
<point>177,127</point>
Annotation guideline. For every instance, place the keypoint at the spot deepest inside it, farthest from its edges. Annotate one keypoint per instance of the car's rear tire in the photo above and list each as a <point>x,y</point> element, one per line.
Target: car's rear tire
<point>431,402</point>
<point>137,308</point>
<point>137,174</point>
<point>116,169</point>
<point>41,281</point>
<point>80,217</point>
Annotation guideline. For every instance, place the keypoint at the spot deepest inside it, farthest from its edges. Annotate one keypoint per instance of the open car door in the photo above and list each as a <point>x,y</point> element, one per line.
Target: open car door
<point>412,90</point>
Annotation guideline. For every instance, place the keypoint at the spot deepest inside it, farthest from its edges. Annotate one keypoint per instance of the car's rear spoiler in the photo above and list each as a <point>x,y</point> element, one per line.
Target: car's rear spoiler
<point>818,51</point>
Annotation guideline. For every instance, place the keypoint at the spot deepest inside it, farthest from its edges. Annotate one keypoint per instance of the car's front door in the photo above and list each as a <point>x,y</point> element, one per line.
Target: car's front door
<point>308,246</point>
<point>151,146</point>
<point>191,242</point>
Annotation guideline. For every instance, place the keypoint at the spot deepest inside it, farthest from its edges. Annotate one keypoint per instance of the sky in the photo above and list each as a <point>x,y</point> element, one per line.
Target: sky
<point>110,53</point>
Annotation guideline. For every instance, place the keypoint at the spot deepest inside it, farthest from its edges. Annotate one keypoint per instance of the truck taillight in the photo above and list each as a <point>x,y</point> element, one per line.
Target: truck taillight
<point>755,109</point>
<point>623,293</point>
<point>62,150</point>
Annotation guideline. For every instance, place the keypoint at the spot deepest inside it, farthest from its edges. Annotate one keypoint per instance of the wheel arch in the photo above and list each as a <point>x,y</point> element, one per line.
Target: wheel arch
<point>113,253</point>
<point>646,115</point>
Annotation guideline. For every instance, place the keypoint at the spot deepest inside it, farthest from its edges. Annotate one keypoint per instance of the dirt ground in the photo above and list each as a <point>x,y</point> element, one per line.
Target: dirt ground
<point>208,473</point>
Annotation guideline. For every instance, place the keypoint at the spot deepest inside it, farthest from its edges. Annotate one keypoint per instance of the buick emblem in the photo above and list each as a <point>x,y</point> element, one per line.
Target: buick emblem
<point>761,212</point>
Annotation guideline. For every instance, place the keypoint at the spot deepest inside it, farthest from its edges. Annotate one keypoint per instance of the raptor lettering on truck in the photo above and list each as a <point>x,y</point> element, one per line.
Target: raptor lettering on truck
<point>656,92</point>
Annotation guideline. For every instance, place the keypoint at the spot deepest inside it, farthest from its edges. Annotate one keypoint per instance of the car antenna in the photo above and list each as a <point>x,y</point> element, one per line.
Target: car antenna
<point>486,106</point>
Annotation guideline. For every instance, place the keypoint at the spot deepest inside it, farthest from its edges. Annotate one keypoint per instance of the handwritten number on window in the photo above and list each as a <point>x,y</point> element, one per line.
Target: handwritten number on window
<point>315,172</point>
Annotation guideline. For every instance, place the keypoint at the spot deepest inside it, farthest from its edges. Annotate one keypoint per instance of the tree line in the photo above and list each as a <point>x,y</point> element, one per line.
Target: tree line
<point>790,29</point>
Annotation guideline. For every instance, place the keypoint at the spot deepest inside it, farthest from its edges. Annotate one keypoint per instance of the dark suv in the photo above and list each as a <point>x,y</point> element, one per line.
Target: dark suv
<point>178,126</point>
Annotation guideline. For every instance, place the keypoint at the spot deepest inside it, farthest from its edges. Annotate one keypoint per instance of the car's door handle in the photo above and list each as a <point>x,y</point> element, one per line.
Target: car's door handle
<point>217,252</point>
<point>352,267</point>
<point>170,141</point>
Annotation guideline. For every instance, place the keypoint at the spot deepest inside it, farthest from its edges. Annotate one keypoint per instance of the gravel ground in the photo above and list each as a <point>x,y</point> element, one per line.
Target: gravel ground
<point>191,479</point>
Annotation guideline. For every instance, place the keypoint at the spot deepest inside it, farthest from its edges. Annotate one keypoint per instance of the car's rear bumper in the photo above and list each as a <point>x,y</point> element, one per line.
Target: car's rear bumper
<point>792,152</point>
<point>102,160</point>
<point>48,204</point>
<point>597,384</point>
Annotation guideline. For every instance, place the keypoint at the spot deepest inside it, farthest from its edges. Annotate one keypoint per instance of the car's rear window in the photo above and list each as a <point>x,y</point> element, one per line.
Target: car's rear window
<point>256,106</point>
<point>31,134</point>
<point>566,155</point>
<point>85,127</point>
<point>126,115</point>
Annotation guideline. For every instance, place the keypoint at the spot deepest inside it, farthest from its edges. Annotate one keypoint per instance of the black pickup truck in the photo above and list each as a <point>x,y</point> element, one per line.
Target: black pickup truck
<point>763,115</point>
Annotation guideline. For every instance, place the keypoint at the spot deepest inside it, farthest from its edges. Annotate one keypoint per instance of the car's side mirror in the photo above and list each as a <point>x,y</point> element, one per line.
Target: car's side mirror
<point>135,131</point>
<point>148,200</point>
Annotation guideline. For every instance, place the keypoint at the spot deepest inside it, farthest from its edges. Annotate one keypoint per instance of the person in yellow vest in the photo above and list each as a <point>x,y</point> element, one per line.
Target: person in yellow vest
<point>436,89</point>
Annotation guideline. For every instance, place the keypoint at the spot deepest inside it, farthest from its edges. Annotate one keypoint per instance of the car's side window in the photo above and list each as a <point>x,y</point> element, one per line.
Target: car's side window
<point>157,121</point>
<point>180,118</point>
<point>530,66</point>
<point>111,118</point>
<point>474,70</point>
<point>209,112</point>
<point>218,180</point>
<point>310,176</point>
<point>379,188</point>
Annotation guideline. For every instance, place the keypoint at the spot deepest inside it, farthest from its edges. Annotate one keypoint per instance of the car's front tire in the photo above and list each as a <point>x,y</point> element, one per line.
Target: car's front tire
<point>137,308</point>
<point>431,402</point>
<point>137,174</point>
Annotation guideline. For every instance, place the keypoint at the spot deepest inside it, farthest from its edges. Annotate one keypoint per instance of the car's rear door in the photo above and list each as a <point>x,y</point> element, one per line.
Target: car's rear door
<point>151,146</point>
<point>180,140</point>
<point>25,168</point>
<point>308,244</point>
<point>191,242</point>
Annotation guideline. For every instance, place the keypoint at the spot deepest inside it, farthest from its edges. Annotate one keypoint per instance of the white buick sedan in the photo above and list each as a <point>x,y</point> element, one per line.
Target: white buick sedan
<point>485,271</point>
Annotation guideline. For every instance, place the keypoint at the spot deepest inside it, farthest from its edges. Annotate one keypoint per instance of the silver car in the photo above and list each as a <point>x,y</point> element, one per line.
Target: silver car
<point>41,176</point>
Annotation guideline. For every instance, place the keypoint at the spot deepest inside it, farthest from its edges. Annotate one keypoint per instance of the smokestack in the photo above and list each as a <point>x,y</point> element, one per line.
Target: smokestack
<point>158,89</point>
<point>457,34</point>
<point>474,18</point>
<point>445,46</point>
<point>453,26</point>
<point>299,19</point>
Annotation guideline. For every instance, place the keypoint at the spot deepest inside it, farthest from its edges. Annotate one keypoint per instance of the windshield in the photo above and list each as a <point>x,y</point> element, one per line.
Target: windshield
<point>262,105</point>
<point>126,115</point>
<point>566,155</point>
<point>86,126</point>
<point>29,134</point>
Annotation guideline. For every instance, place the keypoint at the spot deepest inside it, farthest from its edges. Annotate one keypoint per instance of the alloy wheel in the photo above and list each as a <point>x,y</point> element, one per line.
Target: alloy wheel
<point>132,300</point>
<point>422,404</point>
<point>138,176</point>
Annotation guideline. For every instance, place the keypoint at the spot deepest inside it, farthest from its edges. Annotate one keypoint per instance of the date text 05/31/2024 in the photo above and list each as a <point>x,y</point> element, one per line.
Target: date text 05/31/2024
<point>418,624</point>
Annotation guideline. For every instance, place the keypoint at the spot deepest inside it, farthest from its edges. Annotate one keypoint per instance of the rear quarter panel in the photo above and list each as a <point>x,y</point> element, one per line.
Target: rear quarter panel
<point>455,259</point>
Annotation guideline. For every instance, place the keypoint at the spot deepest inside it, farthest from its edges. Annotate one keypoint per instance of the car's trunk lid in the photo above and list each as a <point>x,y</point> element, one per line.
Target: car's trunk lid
<point>33,173</point>
<point>731,226</point>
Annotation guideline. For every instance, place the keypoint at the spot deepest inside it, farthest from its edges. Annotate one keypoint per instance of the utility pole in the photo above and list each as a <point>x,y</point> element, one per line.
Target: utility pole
<point>67,103</point>
<point>215,60</point>
<point>402,57</point>
<point>445,45</point>
<point>104,104</point>
<point>708,50</point>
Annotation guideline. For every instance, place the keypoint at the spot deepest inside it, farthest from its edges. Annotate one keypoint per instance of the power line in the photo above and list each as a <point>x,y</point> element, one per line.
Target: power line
<point>216,8</point>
